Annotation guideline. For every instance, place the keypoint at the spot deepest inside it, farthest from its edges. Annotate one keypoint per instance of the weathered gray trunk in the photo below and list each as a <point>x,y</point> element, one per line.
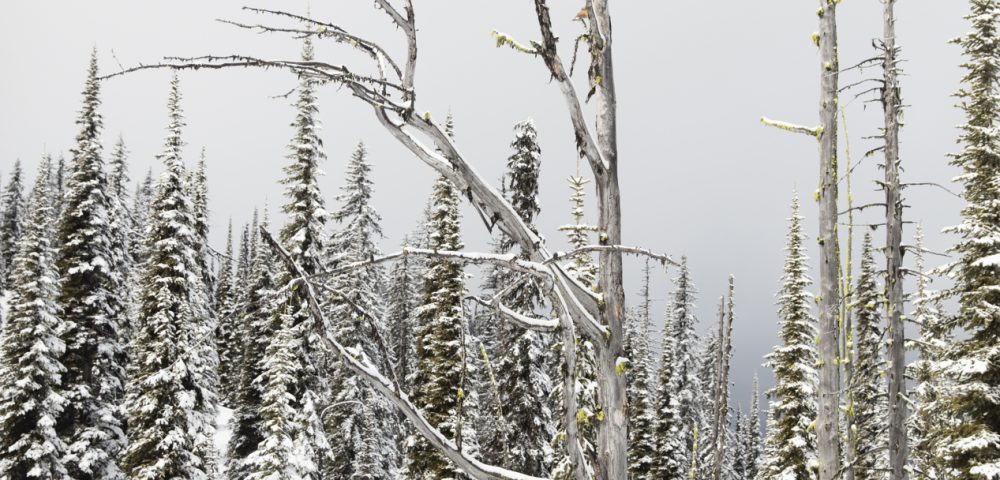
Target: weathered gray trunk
<point>847,331</point>
<point>894,252</point>
<point>722,396</point>
<point>828,421</point>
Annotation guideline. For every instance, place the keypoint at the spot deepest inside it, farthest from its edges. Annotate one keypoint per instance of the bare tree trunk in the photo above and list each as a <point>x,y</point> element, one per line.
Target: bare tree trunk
<point>847,332</point>
<point>894,252</point>
<point>722,396</point>
<point>828,421</point>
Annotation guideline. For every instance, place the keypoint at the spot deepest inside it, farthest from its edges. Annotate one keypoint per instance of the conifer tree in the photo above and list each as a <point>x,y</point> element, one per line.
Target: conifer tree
<point>584,270</point>
<point>678,383</point>
<point>869,402</point>
<point>58,187</point>
<point>928,419</point>
<point>790,450</point>
<point>162,394</point>
<point>30,351</point>
<point>519,355</point>
<point>141,200</point>
<point>641,397</point>
<point>752,441</point>
<point>293,358</point>
<point>227,333</point>
<point>205,357</point>
<point>11,221</point>
<point>971,445</point>
<point>252,333</point>
<point>92,301</point>
<point>440,370</point>
<point>402,301</point>
<point>367,449</point>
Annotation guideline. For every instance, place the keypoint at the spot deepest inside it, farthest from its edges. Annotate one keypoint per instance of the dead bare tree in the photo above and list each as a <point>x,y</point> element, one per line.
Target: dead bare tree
<point>390,91</point>
<point>891,105</point>
<point>828,392</point>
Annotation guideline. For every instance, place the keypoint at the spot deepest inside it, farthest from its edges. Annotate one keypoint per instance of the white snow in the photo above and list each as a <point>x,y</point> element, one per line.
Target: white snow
<point>223,433</point>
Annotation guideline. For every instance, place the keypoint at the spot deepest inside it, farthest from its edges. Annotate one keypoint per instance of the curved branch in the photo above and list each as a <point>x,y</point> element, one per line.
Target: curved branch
<point>663,259</point>
<point>362,367</point>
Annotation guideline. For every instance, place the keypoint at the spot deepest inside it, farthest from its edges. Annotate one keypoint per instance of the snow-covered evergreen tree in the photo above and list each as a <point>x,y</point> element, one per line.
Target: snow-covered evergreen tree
<point>928,419</point>
<point>162,394</point>
<point>402,300</point>
<point>92,301</point>
<point>58,187</point>
<point>11,221</point>
<point>752,442</point>
<point>584,270</point>
<point>294,389</point>
<point>790,450</point>
<point>519,357</point>
<point>868,396</point>
<point>441,365</point>
<point>256,325</point>
<point>641,395</point>
<point>141,200</point>
<point>228,331</point>
<point>30,351</point>
<point>971,445</point>
<point>362,419</point>
<point>677,382</point>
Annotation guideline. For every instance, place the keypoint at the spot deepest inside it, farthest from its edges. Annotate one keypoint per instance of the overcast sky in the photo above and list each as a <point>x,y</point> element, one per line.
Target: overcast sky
<point>700,176</point>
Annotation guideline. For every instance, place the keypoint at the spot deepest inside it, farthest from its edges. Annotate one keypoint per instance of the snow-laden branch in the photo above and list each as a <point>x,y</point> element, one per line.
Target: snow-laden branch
<point>511,261</point>
<point>519,319</point>
<point>791,127</point>
<point>356,361</point>
<point>663,259</point>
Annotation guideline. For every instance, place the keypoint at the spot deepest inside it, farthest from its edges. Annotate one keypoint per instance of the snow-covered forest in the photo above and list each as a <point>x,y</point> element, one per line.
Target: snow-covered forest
<point>134,344</point>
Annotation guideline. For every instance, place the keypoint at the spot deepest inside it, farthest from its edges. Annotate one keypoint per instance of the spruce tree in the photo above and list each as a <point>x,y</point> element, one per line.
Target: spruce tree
<point>162,394</point>
<point>678,383</point>
<point>253,330</point>
<point>928,419</point>
<point>141,200</point>
<point>291,377</point>
<point>641,396</point>
<point>228,327</point>
<point>440,368</point>
<point>584,270</point>
<point>92,301</point>
<point>58,187</point>
<point>790,450</point>
<point>30,351</point>
<point>971,445</point>
<point>520,356</point>
<point>402,301</point>
<point>367,449</point>
<point>11,221</point>
<point>869,402</point>
<point>752,441</point>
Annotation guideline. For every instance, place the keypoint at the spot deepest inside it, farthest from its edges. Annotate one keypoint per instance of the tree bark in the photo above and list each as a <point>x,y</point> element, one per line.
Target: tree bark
<point>828,421</point>
<point>893,251</point>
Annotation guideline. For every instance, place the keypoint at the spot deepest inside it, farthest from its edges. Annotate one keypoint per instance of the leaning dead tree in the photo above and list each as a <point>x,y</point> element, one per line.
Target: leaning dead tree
<point>891,105</point>
<point>828,392</point>
<point>388,87</point>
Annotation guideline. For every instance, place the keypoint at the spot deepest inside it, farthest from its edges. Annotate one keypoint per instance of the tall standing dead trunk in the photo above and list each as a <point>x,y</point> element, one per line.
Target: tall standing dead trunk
<point>722,395</point>
<point>893,250</point>
<point>828,421</point>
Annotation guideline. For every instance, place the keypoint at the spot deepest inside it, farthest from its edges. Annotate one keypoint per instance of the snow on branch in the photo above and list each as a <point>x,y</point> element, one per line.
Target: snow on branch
<point>663,259</point>
<point>511,261</point>
<point>790,127</point>
<point>519,319</point>
<point>368,372</point>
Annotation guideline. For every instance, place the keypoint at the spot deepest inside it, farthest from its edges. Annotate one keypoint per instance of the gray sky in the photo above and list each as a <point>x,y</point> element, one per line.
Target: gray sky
<point>700,176</point>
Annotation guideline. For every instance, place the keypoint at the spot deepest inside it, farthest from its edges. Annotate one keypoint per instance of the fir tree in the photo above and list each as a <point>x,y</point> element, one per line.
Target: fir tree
<point>11,221</point>
<point>868,404</point>
<point>402,301</point>
<point>250,339</point>
<point>141,200</point>
<point>30,351</point>
<point>971,445</point>
<point>367,449</point>
<point>440,368</point>
<point>162,394</point>
<point>519,355</point>
<point>641,397</point>
<point>92,301</point>
<point>752,441</point>
<point>58,187</point>
<point>790,450</point>
<point>584,270</point>
<point>928,419</point>
<point>678,382</point>
<point>227,332</point>
<point>291,377</point>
